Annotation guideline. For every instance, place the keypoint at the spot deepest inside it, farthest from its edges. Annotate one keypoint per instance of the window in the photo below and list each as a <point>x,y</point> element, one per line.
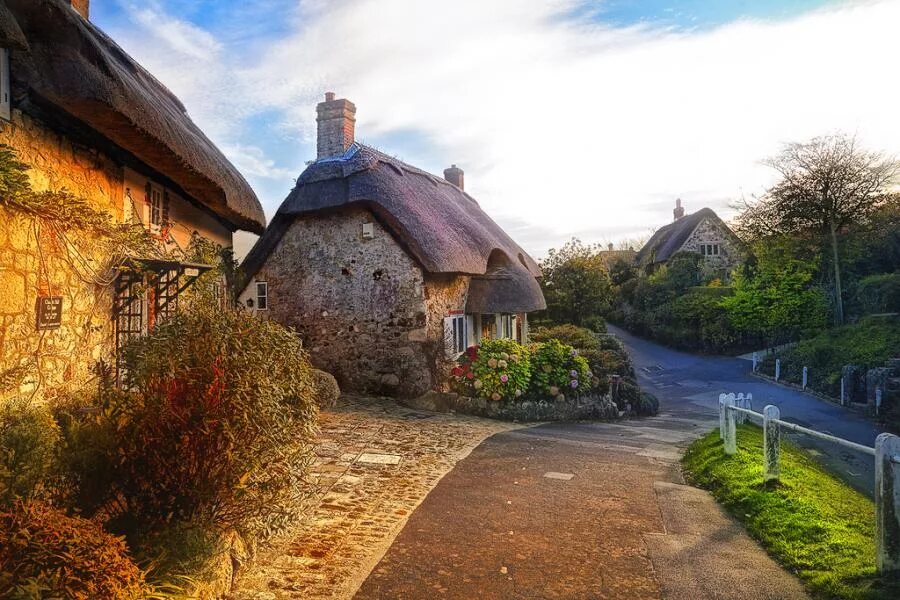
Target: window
<point>156,206</point>
<point>456,335</point>
<point>262,295</point>
<point>709,249</point>
<point>5,96</point>
<point>506,327</point>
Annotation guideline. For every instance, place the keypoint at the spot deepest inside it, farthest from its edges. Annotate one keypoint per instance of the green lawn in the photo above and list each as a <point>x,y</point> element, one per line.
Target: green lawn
<point>816,526</point>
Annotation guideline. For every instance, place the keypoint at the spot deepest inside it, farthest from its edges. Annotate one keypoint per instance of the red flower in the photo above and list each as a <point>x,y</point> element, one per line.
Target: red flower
<point>472,352</point>
<point>456,372</point>
<point>470,375</point>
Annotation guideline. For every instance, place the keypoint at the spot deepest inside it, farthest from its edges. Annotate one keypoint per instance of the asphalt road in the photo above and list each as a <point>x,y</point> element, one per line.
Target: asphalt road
<point>683,380</point>
<point>599,510</point>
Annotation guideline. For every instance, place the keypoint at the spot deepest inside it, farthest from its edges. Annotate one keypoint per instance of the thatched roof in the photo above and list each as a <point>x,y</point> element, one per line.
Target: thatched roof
<point>669,239</point>
<point>69,64</point>
<point>504,288</point>
<point>440,225</point>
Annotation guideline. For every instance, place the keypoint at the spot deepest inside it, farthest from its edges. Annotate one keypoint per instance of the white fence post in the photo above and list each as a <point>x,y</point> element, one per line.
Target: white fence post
<point>805,376</point>
<point>777,369</point>
<point>771,443</point>
<point>739,418</point>
<point>730,432</point>
<point>755,361</point>
<point>721,416</point>
<point>887,503</point>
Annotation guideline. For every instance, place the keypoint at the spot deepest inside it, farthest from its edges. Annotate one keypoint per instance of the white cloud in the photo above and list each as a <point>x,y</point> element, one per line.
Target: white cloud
<point>562,126</point>
<point>252,161</point>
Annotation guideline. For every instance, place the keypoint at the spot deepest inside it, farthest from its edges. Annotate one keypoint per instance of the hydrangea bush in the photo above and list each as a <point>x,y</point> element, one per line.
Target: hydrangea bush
<point>497,369</point>
<point>558,370</point>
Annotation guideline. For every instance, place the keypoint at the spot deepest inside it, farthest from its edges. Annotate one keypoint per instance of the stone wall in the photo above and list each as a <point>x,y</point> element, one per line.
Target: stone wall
<point>444,294</point>
<point>359,304</point>
<point>711,232</point>
<point>34,262</point>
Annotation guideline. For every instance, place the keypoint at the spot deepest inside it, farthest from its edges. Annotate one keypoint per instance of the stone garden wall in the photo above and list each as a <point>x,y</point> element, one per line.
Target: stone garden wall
<point>571,409</point>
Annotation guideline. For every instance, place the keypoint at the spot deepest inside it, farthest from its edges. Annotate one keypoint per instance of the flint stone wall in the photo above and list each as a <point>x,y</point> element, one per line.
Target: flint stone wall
<point>365,310</point>
<point>709,232</point>
<point>599,408</point>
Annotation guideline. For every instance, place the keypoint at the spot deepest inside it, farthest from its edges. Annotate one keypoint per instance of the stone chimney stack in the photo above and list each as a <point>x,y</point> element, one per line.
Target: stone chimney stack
<point>455,176</point>
<point>83,8</point>
<point>609,247</point>
<point>679,210</point>
<point>336,123</point>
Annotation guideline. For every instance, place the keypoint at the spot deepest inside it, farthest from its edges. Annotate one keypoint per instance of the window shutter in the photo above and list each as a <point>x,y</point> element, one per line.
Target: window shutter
<point>165,207</point>
<point>448,338</point>
<point>5,94</point>
<point>470,331</point>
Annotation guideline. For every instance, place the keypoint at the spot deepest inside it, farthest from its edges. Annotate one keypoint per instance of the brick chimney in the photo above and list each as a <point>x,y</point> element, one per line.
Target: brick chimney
<point>336,122</point>
<point>679,210</point>
<point>609,247</point>
<point>82,7</point>
<point>455,176</point>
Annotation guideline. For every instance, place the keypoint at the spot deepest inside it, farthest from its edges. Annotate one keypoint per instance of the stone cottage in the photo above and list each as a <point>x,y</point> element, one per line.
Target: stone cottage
<point>387,272</point>
<point>702,232</point>
<point>85,117</point>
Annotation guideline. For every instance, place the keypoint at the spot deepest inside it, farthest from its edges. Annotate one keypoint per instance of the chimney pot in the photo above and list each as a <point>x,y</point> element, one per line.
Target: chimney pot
<point>679,210</point>
<point>456,176</point>
<point>82,7</point>
<point>336,125</point>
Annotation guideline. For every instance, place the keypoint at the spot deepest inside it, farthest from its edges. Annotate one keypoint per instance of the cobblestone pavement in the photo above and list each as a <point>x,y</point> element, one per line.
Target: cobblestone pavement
<point>376,461</point>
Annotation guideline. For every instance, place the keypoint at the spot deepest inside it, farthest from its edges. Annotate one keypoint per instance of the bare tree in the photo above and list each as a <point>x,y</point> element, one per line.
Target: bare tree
<point>826,184</point>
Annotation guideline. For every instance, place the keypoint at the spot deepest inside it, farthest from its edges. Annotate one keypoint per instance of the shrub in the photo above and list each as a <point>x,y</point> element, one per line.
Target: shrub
<point>626,394</point>
<point>647,405</point>
<point>557,369</point>
<point>28,443</point>
<point>879,293</point>
<point>605,354</point>
<point>46,554</point>
<point>327,389</point>
<point>497,369</point>
<point>577,337</point>
<point>215,431</point>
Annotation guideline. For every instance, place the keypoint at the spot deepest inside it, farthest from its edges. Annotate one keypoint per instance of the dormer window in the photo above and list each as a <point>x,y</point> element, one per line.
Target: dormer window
<point>5,94</point>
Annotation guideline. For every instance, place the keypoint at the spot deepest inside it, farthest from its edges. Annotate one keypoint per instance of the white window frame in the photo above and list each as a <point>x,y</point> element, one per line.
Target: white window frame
<point>456,335</point>
<point>262,300</point>
<point>5,92</point>
<point>505,327</point>
<point>155,206</point>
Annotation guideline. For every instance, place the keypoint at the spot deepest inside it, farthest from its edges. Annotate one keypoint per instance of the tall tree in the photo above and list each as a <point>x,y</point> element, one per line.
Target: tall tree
<point>575,283</point>
<point>825,185</point>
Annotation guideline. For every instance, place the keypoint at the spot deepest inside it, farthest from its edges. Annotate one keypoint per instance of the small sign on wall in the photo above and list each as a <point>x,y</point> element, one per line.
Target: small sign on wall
<point>49,312</point>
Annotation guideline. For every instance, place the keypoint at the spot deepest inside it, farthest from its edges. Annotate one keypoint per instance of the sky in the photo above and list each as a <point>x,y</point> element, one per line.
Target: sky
<point>570,118</point>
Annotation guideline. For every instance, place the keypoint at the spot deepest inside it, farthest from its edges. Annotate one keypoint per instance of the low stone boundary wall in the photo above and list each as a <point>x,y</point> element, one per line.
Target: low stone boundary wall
<point>600,408</point>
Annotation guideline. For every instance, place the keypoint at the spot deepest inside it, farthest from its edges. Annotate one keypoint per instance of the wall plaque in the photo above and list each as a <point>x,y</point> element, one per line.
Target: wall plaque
<point>49,312</point>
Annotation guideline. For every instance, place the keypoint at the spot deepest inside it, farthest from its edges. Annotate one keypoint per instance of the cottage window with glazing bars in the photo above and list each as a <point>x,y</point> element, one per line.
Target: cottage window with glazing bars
<point>262,295</point>
<point>709,249</point>
<point>456,335</point>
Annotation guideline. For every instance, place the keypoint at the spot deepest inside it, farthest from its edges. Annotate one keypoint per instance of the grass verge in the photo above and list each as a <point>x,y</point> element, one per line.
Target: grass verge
<point>812,523</point>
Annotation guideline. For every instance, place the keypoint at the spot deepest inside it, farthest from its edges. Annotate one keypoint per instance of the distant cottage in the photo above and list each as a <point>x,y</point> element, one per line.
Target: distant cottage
<point>702,232</point>
<point>387,272</point>
<point>86,117</point>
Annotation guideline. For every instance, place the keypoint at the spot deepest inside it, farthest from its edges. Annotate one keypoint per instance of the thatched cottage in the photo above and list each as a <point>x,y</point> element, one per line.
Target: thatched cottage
<point>87,118</point>
<point>388,272</point>
<point>702,232</point>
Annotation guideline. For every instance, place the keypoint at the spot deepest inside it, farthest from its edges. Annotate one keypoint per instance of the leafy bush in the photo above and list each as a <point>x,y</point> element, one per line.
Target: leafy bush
<point>879,293</point>
<point>557,369</point>
<point>868,344</point>
<point>215,431</point>
<point>46,554</point>
<point>605,354</point>
<point>28,443</point>
<point>647,405</point>
<point>327,389</point>
<point>497,369</point>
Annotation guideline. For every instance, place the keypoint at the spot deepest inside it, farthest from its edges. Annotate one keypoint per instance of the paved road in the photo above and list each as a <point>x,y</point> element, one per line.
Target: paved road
<point>680,379</point>
<point>599,510</point>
